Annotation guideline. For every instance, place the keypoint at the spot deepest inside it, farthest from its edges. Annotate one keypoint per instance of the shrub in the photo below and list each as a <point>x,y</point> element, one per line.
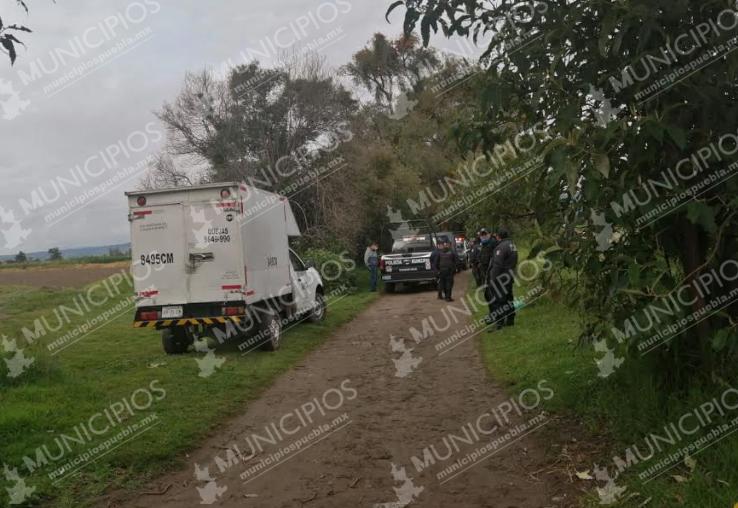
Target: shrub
<point>337,269</point>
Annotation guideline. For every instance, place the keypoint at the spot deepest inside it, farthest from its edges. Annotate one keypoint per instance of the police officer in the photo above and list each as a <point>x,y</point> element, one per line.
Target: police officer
<point>486,249</point>
<point>446,262</point>
<point>474,261</point>
<point>501,279</point>
<point>434,265</point>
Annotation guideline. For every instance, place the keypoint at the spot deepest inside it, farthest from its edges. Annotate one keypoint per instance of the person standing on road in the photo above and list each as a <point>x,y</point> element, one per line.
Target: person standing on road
<point>474,261</point>
<point>438,244</point>
<point>371,260</point>
<point>501,279</point>
<point>486,250</point>
<point>446,262</point>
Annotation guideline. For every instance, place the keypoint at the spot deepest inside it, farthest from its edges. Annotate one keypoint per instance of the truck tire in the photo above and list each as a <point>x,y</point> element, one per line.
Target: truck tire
<point>175,341</point>
<point>271,332</point>
<point>319,309</point>
<point>389,287</point>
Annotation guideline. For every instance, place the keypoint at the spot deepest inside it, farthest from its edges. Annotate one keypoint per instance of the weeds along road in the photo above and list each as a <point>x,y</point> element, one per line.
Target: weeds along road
<point>341,429</point>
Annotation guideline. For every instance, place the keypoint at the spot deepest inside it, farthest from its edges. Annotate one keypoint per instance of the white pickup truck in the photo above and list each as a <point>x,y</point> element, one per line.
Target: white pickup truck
<point>215,259</point>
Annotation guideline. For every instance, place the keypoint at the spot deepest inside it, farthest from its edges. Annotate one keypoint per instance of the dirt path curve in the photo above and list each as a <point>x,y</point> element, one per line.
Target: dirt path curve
<point>374,419</point>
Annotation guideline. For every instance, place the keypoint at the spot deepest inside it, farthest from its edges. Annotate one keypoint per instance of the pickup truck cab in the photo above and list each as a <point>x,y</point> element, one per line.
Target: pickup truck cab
<point>409,263</point>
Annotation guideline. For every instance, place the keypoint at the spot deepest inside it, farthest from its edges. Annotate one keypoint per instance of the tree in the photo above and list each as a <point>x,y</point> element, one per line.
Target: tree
<point>579,77</point>
<point>388,67</point>
<point>267,126</point>
<point>55,254</point>
<point>7,38</point>
<point>21,257</point>
<point>163,172</point>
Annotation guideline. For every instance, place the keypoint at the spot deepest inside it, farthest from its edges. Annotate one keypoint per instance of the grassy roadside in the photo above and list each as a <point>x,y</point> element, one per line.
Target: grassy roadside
<point>111,369</point>
<point>619,411</point>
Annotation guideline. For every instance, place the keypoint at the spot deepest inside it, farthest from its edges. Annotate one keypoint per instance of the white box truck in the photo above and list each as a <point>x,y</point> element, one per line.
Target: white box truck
<point>214,259</point>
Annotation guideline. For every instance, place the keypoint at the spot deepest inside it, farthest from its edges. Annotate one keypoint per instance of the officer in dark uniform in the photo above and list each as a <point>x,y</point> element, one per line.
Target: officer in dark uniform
<point>486,250</point>
<point>474,261</point>
<point>446,262</point>
<point>434,264</point>
<point>501,279</point>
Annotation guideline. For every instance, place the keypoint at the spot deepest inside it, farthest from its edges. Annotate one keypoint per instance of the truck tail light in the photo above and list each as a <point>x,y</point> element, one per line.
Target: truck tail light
<point>149,315</point>
<point>233,311</point>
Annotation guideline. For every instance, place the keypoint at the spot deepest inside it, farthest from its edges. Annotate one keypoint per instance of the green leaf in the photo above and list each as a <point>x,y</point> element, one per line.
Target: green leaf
<point>634,274</point>
<point>720,339</point>
<point>572,176</point>
<point>8,45</point>
<point>602,162</point>
<point>392,8</point>
<point>677,135</point>
<point>425,29</point>
<point>608,24</point>
<point>702,214</point>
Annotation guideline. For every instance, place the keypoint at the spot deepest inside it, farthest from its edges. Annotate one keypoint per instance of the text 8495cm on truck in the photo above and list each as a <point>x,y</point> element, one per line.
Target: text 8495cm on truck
<point>214,260</point>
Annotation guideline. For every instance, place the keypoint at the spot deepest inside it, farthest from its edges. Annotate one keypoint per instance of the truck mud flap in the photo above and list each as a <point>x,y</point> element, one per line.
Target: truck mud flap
<point>166,323</point>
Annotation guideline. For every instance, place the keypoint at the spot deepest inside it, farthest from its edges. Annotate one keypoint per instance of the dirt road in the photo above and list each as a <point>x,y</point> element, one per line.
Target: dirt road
<point>342,419</point>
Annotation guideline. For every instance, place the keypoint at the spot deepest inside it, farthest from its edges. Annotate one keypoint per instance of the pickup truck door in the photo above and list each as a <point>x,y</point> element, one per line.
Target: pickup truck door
<point>302,287</point>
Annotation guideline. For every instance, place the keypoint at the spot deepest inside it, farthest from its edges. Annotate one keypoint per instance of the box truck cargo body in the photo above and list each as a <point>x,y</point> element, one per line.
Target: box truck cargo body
<point>209,255</point>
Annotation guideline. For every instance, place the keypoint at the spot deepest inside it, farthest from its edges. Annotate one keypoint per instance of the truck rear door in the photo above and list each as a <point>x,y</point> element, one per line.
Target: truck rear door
<point>158,259</point>
<point>216,271</point>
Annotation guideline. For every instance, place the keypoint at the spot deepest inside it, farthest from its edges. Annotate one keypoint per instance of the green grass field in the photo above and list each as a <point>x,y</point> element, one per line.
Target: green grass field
<point>618,411</point>
<point>59,394</point>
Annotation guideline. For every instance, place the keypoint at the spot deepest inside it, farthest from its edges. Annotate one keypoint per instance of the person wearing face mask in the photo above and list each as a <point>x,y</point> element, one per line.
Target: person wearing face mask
<point>445,265</point>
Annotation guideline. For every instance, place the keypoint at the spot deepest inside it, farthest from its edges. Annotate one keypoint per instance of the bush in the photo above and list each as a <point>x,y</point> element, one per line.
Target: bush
<point>337,269</point>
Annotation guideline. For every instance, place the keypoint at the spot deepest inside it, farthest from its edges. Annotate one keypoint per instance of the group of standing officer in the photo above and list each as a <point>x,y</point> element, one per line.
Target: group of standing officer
<point>494,259</point>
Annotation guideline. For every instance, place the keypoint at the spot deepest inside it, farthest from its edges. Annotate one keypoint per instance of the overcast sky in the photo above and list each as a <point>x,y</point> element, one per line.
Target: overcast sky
<point>76,110</point>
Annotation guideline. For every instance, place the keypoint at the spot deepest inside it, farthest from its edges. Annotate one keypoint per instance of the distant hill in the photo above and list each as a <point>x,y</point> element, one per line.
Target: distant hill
<point>77,252</point>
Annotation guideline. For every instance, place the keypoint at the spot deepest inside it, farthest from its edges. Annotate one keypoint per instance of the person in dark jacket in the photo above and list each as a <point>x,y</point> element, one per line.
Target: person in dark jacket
<point>446,262</point>
<point>501,279</point>
<point>486,250</point>
<point>434,266</point>
<point>474,252</point>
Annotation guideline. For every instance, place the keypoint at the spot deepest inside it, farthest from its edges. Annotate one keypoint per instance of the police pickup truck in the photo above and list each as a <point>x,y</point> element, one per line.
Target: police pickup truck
<point>410,260</point>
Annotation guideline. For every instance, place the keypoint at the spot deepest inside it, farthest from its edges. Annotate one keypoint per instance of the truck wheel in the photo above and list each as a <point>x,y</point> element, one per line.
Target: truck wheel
<point>319,309</point>
<point>389,287</point>
<point>175,341</point>
<point>271,332</point>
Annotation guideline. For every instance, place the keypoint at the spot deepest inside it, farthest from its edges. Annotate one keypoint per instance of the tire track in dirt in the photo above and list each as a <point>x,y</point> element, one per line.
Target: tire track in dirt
<point>390,420</point>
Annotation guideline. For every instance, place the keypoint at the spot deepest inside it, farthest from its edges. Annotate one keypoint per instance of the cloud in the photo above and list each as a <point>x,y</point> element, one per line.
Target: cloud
<point>157,42</point>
